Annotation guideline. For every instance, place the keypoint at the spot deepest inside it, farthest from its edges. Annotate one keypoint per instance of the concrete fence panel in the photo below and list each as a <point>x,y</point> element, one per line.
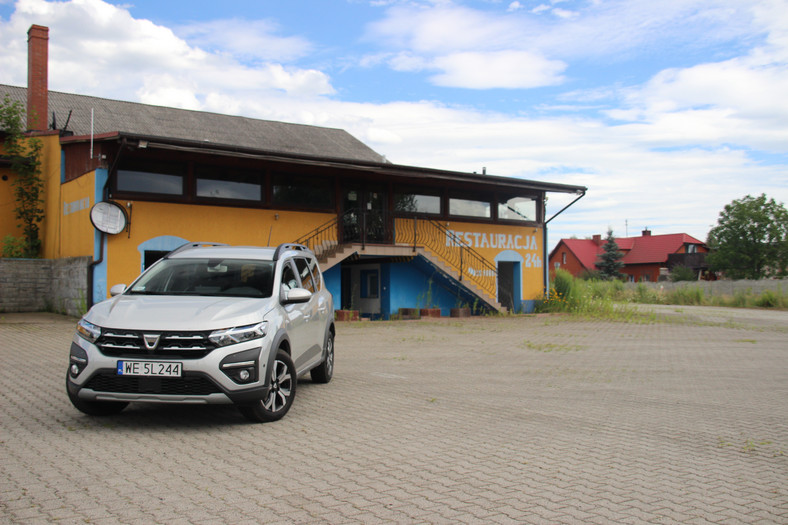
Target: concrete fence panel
<point>39,285</point>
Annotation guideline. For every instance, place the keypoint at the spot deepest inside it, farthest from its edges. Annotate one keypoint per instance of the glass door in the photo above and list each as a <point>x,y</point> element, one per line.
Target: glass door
<point>365,218</point>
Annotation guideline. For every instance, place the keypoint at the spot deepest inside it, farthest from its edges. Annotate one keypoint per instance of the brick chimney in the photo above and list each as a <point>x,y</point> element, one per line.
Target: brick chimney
<point>646,233</point>
<point>597,239</point>
<point>37,78</point>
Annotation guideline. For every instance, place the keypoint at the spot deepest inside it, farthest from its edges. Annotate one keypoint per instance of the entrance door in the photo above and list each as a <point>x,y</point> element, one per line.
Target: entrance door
<point>365,218</point>
<point>506,283</point>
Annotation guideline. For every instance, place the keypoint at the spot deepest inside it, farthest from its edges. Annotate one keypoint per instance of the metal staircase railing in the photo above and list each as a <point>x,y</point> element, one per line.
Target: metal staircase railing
<point>323,240</point>
<point>449,247</point>
<point>418,232</point>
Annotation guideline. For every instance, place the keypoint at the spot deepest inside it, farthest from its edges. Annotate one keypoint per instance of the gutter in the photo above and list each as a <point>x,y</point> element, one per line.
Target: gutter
<point>96,262</point>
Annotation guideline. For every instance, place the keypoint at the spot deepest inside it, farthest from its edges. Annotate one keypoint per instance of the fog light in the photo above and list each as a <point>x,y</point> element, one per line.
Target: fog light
<point>244,375</point>
<point>74,370</point>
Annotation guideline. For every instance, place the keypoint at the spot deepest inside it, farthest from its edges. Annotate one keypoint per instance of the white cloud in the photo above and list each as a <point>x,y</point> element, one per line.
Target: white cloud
<point>253,39</point>
<point>501,69</point>
<point>515,6</point>
<point>118,56</point>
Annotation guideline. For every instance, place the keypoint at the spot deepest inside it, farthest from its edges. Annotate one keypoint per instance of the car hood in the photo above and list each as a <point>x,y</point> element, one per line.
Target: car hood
<point>156,312</point>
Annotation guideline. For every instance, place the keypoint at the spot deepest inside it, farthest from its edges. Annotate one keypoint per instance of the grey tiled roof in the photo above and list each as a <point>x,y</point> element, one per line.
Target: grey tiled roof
<point>197,126</point>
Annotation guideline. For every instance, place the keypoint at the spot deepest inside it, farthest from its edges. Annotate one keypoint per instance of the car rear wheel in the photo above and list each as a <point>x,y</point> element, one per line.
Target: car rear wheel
<point>95,408</point>
<point>281,394</point>
<point>324,372</point>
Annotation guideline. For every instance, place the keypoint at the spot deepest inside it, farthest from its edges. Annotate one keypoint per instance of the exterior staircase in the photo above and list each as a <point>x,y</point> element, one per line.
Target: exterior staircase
<point>418,237</point>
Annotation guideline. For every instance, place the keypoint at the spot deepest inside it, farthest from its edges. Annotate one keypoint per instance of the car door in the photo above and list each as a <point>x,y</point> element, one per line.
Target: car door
<point>316,322</point>
<point>297,317</point>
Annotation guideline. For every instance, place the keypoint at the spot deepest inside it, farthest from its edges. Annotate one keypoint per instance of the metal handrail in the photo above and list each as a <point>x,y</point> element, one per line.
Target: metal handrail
<point>448,246</point>
<point>323,240</point>
<point>360,227</point>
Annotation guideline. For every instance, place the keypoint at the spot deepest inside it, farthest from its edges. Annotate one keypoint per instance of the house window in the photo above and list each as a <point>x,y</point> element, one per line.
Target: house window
<point>302,192</point>
<point>517,209</point>
<point>370,284</point>
<point>563,257</point>
<point>692,248</point>
<point>417,203</point>
<point>145,176</point>
<point>217,182</point>
<point>470,208</point>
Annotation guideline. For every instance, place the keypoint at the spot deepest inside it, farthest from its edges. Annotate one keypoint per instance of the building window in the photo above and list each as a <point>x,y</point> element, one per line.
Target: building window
<point>216,182</point>
<point>517,209</point>
<point>417,203</point>
<point>144,176</point>
<point>370,283</point>
<point>470,208</point>
<point>302,192</point>
<point>151,256</point>
<point>563,257</point>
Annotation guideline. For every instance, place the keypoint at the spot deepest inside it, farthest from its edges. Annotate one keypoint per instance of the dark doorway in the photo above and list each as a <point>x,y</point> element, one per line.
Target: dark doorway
<point>506,284</point>
<point>346,287</point>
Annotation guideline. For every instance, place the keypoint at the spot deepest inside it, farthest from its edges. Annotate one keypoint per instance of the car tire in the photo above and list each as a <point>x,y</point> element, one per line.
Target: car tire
<point>325,371</point>
<point>281,394</point>
<point>95,408</point>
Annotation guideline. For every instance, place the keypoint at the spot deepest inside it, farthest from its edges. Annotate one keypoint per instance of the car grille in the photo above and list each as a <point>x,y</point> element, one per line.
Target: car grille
<point>131,343</point>
<point>179,386</point>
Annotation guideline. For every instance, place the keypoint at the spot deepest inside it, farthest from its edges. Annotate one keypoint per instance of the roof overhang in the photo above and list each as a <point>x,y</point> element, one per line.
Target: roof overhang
<point>382,168</point>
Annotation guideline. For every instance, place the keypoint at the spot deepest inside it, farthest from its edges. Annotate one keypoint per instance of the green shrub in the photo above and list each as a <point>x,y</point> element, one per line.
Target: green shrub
<point>689,295</point>
<point>646,295</point>
<point>767,299</point>
<point>562,283</point>
<point>683,273</point>
<point>590,275</point>
<point>13,248</point>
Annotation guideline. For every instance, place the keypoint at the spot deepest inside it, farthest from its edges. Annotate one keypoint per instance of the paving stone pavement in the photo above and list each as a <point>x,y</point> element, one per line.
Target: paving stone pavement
<point>680,417</point>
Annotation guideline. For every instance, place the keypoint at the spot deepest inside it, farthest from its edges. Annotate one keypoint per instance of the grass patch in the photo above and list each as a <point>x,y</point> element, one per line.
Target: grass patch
<point>610,299</point>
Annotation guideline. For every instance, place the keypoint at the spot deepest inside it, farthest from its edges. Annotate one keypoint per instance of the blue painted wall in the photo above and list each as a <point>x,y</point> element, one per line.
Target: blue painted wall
<point>413,284</point>
<point>333,279</point>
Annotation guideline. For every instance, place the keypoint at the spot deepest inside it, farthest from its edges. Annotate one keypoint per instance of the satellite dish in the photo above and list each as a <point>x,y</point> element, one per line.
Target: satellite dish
<point>108,217</point>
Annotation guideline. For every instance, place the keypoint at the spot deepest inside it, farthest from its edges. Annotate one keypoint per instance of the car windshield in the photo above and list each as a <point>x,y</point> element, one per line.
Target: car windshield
<point>212,277</point>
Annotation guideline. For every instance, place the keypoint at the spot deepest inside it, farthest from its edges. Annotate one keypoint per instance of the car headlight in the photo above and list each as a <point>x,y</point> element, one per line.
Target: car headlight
<point>88,330</point>
<point>238,334</point>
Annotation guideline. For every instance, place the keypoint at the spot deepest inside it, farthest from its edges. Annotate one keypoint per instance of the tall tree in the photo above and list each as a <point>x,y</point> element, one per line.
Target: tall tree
<point>25,157</point>
<point>750,240</point>
<point>610,262</point>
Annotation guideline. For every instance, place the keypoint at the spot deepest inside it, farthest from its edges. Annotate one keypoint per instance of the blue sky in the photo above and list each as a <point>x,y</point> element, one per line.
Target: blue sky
<point>665,110</point>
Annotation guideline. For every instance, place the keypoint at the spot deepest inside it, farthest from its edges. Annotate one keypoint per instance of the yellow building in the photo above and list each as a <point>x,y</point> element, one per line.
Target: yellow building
<point>388,236</point>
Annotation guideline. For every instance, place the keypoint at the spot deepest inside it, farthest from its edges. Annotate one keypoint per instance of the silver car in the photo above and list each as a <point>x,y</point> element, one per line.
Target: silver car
<point>207,323</point>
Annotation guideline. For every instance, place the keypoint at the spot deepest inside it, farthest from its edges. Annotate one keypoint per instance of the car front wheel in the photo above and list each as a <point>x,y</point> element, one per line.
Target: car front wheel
<point>281,394</point>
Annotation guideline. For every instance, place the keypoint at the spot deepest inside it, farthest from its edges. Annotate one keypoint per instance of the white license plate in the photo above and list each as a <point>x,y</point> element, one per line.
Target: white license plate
<point>149,368</point>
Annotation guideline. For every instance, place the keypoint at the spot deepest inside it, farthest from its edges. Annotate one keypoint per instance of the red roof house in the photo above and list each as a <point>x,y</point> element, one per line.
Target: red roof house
<point>644,256</point>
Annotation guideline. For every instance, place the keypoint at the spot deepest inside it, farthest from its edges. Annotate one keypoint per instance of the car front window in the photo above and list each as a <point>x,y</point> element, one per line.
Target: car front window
<point>207,277</point>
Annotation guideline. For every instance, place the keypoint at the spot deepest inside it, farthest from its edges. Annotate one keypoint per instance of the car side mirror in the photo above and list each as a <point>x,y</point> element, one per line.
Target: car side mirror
<point>295,295</point>
<point>117,290</point>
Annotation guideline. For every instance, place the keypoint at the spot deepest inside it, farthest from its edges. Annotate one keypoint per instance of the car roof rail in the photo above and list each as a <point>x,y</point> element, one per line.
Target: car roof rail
<point>190,245</point>
<point>288,246</point>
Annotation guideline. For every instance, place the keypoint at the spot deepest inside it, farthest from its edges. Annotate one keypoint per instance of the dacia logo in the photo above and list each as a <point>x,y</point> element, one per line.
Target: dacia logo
<point>151,341</point>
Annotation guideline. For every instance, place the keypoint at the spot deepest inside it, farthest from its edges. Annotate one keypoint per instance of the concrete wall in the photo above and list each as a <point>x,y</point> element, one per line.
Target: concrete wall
<point>38,285</point>
<point>711,288</point>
